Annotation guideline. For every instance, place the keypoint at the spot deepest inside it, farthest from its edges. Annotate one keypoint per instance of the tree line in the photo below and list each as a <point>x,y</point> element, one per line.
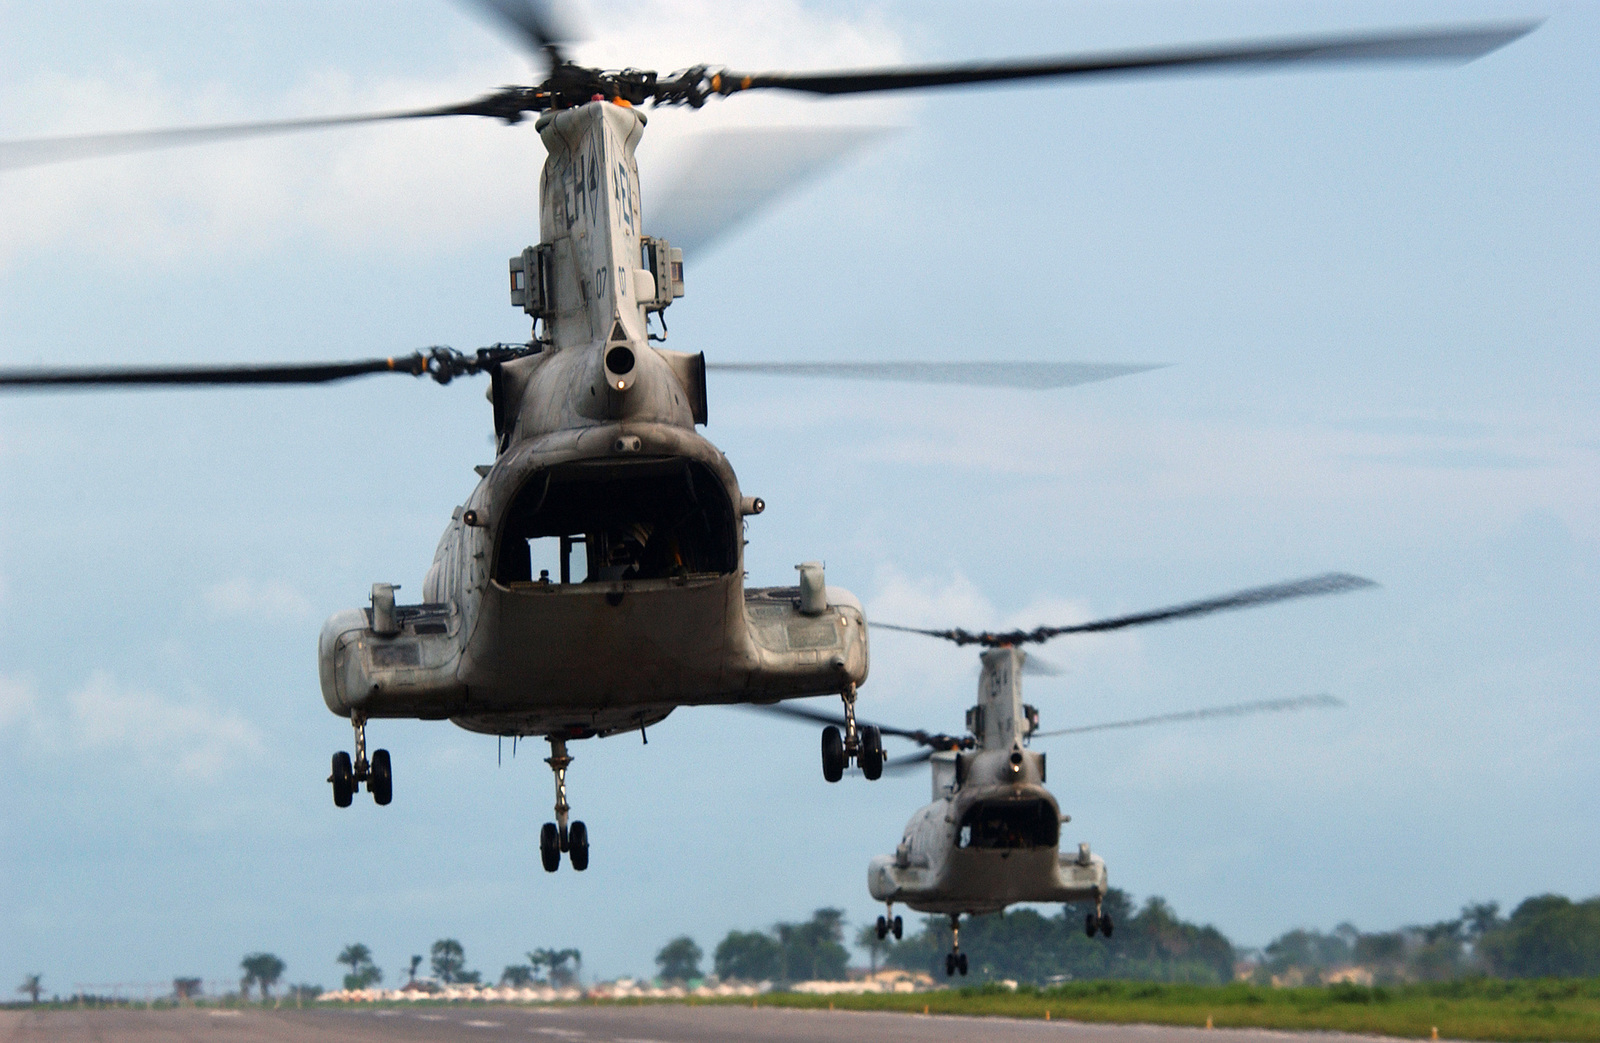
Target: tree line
<point>810,951</point>
<point>1546,936</point>
<point>1149,942</point>
<point>448,959</point>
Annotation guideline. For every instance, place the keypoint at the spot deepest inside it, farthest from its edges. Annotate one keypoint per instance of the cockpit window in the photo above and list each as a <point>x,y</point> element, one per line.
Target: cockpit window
<point>587,523</point>
<point>1010,824</point>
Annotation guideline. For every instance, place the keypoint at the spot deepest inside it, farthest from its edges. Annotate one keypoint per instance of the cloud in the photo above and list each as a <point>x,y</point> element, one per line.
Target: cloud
<point>1099,470</point>
<point>272,600</point>
<point>427,185</point>
<point>191,740</point>
<point>907,668</point>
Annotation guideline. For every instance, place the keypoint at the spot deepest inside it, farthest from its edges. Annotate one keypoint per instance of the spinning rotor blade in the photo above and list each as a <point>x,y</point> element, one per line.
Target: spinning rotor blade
<point>1026,375</point>
<point>1315,586</point>
<point>1304,702</point>
<point>157,376</point>
<point>716,181</point>
<point>442,364</point>
<point>530,23</point>
<point>1032,664</point>
<point>568,84</point>
<point>897,765</point>
<point>806,713</point>
<point>35,152</point>
<point>1454,44</point>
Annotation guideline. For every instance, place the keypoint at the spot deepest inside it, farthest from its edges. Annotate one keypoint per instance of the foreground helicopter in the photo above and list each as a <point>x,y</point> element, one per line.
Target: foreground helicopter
<point>991,837</point>
<point>598,454</point>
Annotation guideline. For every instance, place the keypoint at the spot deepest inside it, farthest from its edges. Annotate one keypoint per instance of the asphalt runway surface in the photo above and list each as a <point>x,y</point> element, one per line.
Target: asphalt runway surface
<point>578,1024</point>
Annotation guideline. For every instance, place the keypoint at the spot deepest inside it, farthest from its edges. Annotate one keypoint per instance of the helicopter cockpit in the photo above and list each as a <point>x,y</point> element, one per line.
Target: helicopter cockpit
<point>640,520</point>
<point>1010,824</point>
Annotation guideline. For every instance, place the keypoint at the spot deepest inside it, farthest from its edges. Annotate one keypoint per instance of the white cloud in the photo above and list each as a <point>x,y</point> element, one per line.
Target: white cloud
<point>191,739</point>
<point>18,703</point>
<point>430,184</point>
<point>272,600</point>
<point>907,668</point>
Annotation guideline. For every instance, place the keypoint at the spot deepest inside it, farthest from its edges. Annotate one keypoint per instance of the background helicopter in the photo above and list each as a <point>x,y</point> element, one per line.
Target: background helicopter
<point>992,835</point>
<point>597,447</point>
<point>1297,243</point>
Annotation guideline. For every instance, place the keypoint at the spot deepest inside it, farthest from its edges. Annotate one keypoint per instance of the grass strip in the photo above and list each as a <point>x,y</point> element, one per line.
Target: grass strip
<point>1510,1011</point>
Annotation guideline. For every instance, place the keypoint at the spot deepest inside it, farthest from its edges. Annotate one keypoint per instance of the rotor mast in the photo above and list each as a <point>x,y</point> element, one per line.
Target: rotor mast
<point>1000,721</point>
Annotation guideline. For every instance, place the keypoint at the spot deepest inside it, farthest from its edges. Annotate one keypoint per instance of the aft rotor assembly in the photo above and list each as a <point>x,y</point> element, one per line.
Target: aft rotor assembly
<point>834,749</point>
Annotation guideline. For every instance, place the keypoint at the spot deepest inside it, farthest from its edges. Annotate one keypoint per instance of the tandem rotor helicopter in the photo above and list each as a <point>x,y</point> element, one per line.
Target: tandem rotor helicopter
<point>600,470</point>
<point>991,837</point>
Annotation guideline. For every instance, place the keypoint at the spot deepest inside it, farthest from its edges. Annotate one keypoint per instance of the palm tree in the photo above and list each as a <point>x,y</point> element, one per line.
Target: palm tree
<point>411,975</point>
<point>363,972</point>
<point>355,955</point>
<point>450,962</point>
<point>559,975</point>
<point>555,963</point>
<point>264,969</point>
<point>31,986</point>
<point>517,975</point>
<point>679,959</point>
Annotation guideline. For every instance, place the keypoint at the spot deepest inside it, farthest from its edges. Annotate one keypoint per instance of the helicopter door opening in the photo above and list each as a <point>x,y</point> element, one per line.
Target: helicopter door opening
<point>589,523</point>
<point>1009,824</point>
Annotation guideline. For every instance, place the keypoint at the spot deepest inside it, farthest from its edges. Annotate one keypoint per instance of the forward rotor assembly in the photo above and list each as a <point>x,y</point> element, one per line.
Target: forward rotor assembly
<point>1313,586</point>
<point>935,742</point>
<point>565,84</point>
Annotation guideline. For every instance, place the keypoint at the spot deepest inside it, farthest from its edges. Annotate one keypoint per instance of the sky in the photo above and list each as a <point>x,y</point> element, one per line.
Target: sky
<point>1376,292</point>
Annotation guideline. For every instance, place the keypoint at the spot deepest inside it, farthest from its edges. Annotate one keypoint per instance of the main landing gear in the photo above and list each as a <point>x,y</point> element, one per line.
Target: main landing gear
<point>1097,922</point>
<point>955,960</point>
<point>863,745</point>
<point>558,836</point>
<point>347,777</point>
<point>890,924</point>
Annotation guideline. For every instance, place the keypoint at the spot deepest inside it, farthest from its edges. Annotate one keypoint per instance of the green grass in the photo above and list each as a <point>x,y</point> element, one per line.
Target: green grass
<point>1475,1009</point>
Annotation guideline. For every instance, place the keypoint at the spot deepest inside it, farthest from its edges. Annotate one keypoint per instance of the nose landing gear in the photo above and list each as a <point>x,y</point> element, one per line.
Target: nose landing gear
<point>1097,922</point>
<point>347,777</point>
<point>863,745</point>
<point>559,836</point>
<point>889,924</point>
<point>955,960</point>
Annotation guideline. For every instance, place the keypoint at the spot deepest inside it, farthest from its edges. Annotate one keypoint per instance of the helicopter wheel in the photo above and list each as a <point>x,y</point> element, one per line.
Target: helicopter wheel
<point>578,846</point>
<point>883,928</point>
<point>961,963</point>
<point>381,781</point>
<point>1091,925</point>
<point>870,758</point>
<point>1105,924</point>
<point>550,847</point>
<point>949,965</point>
<point>343,779</point>
<point>833,757</point>
<point>898,928</point>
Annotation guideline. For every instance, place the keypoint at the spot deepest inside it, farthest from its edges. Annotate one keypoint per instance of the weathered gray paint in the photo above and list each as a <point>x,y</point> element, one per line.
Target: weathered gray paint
<point>594,657</point>
<point>931,872</point>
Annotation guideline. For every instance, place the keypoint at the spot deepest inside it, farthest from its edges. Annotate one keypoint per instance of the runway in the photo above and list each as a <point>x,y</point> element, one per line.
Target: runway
<point>604,1024</point>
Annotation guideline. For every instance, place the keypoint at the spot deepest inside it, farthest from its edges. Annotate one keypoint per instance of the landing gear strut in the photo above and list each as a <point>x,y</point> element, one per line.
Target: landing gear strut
<point>347,777</point>
<point>955,960</point>
<point>862,745</point>
<point>559,836</point>
<point>889,923</point>
<point>1097,922</point>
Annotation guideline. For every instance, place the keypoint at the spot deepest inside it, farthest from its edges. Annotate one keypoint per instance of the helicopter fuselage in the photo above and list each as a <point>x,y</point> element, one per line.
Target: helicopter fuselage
<point>603,480</point>
<point>992,835</point>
